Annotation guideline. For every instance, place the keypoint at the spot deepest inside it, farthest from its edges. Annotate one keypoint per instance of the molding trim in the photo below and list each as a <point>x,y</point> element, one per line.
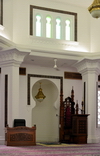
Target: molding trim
<point>1,12</point>
<point>6,100</point>
<point>62,44</point>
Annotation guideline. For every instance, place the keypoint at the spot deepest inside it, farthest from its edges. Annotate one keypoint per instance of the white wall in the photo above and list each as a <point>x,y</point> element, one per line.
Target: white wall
<point>67,83</point>
<point>95,34</point>
<point>8,15</point>
<point>18,21</point>
<point>44,114</point>
<point>78,90</point>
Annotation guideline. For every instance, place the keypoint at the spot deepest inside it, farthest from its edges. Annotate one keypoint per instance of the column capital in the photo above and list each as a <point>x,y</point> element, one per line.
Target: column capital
<point>88,65</point>
<point>12,57</point>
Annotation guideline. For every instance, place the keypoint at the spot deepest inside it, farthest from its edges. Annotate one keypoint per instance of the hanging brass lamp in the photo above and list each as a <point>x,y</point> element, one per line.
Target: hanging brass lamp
<point>94,9</point>
<point>40,96</point>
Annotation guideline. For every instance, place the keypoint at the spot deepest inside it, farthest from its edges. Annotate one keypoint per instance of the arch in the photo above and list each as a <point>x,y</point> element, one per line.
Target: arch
<point>38,25</point>
<point>45,112</point>
<point>29,76</point>
<point>67,30</point>
<point>53,115</point>
<point>58,28</point>
<point>48,26</point>
<point>44,83</point>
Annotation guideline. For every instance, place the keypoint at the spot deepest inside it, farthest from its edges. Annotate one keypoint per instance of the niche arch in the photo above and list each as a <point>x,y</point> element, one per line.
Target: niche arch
<point>44,114</point>
<point>46,85</point>
<point>55,117</point>
<point>45,77</point>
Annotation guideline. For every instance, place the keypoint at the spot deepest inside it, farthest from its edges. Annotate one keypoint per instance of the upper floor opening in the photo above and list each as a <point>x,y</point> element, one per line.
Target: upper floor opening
<point>52,23</point>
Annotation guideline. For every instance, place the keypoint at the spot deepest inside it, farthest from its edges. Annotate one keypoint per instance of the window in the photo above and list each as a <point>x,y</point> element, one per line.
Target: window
<point>52,23</point>
<point>38,25</point>
<point>58,28</point>
<point>99,107</point>
<point>67,30</point>
<point>48,27</point>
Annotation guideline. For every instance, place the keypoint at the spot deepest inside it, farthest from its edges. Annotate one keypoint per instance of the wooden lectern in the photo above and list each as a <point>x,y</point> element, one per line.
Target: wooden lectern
<point>20,136</point>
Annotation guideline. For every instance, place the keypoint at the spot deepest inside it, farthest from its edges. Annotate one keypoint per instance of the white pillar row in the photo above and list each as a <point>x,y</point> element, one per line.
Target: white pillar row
<point>90,69</point>
<point>10,61</point>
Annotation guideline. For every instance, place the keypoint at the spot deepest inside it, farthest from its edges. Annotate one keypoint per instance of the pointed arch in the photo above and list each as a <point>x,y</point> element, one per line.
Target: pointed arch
<point>58,28</point>
<point>38,25</point>
<point>67,30</point>
<point>48,26</point>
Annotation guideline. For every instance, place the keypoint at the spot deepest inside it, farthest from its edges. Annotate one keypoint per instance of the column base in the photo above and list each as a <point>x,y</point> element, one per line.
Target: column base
<point>92,139</point>
<point>2,140</point>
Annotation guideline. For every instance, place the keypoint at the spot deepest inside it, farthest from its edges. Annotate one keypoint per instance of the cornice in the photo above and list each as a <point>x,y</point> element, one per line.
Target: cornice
<point>88,66</point>
<point>5,43</point>
<point>11,57</point>
<point>49,51</point>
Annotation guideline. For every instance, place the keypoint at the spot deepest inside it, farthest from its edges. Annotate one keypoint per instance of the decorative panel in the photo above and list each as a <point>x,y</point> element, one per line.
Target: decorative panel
<point>21,137</point>
<point>71,75</point>
<point>22,71</point>
<point>82,126</point>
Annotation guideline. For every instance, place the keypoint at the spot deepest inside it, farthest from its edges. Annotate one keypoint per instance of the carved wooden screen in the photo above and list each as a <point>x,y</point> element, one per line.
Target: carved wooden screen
<point>66,111</point>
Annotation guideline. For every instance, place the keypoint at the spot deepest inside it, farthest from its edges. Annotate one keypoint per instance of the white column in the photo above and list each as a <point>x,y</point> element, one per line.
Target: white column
<point>63,29</point>
<point>13,94</point>
<point>10,61</point>
<point>90,71</point>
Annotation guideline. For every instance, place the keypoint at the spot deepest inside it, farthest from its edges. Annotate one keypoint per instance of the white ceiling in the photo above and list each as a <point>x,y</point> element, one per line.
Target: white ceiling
<point>49,62</point>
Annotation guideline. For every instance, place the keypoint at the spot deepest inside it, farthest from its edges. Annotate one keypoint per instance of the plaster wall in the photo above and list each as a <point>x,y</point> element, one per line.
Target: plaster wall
<point>28,112</point>
<point>17,21</point>
<point>95,34</point>
<point>67,83</point>
<point>44,114</point>
<point>8,16</point>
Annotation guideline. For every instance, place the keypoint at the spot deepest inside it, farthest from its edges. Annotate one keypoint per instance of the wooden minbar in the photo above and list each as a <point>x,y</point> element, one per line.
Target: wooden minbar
<point>73,125</point>
<point>20,136</point>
